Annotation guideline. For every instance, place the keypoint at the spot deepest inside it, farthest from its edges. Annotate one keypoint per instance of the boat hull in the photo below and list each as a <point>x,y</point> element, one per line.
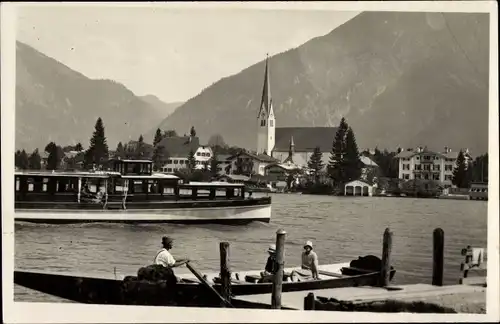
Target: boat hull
<point>183,212</point>
<point>96,290</point>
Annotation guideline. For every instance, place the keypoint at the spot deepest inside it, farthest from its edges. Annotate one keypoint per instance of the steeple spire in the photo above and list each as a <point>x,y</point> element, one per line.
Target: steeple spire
<point>266,91</point>
<point>291,151</point>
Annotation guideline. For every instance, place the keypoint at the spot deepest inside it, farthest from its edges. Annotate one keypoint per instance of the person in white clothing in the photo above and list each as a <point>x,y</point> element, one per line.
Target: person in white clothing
<point>164,258</point>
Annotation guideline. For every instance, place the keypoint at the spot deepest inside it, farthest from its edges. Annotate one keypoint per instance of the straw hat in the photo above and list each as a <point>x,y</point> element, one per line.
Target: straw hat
<point>309,244</point>
<point>272,248</point>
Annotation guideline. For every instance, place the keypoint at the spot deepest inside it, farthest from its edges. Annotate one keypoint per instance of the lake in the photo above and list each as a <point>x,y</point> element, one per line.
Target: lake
<point>341,229</point>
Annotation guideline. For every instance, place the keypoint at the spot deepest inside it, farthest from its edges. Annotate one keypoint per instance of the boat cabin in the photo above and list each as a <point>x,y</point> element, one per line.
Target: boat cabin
<point>127,181</point>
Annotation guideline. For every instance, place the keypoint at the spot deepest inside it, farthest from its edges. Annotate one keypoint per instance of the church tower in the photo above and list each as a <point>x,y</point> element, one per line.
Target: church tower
<point>266,123</point>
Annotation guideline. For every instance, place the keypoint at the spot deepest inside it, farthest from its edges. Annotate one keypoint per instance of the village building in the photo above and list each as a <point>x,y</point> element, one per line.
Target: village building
<point>359,188</point>
<point>421,163</point>
<point>250,163</point>
<point>178,148</point>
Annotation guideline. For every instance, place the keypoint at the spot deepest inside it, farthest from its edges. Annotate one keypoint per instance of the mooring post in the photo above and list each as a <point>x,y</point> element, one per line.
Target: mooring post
<point>278,277</point>
<point>438,257</point>
<point>385,271</point>
<point>309,302</point>
<point>225,271</point>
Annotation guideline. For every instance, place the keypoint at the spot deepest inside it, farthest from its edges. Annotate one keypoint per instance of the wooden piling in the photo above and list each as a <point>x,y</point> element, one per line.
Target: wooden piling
<point>385,271</point>
<point>438,257</point>
<point>309,302</point>
<point>278,277</point>
<point>225,271</point>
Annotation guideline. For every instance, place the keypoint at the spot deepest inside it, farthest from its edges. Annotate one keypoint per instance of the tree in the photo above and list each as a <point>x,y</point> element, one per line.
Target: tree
<point>55,156</point>
<point>120,151</point>
<point>140,149</point>
<point>35,161</point>
<point>192,132</point>
<point>159,156</point>
<point>214,164</point>
<point>387,162</point>
<point>216,141</point>
<point>191,161</point>
<point>480,168</point>
<point>22,160</point>
<point>169,133</point>
<point>352,163</point>
<point>336,163</point>
<point>98,149</point>
<point>460,172</point>
<point>316,163</point>
<point>79,147</point>
<point>158,137</point>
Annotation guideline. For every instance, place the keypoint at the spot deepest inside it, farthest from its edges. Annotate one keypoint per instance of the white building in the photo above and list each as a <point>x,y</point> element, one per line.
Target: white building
<point>178,149</point>
<point>424,164</point>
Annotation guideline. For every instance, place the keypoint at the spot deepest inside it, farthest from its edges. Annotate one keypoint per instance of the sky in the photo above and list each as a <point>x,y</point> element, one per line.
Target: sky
<point>172,53</point>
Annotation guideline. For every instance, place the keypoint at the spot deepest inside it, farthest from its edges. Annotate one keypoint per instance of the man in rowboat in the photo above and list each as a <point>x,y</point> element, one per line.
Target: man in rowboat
<point>164,258</point>
<point>309,262</point>
<point>270,268</point>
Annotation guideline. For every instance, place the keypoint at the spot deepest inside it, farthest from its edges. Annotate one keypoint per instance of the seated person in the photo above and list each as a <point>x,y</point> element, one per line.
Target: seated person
<point>309,262</point>
<point>271,265</point>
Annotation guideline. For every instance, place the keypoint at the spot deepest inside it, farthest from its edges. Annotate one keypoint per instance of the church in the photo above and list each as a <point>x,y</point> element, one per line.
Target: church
<point>293,145</point>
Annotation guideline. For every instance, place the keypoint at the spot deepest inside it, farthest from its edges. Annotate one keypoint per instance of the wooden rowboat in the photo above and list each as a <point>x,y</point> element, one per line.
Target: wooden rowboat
<point>187,292</point>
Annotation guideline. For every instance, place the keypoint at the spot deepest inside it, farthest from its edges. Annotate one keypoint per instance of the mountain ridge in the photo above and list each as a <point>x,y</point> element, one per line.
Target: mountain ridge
<point>57,103</point>
<point>380,70</point>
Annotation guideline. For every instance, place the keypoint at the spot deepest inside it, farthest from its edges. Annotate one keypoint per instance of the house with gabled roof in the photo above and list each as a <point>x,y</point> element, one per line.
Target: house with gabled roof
<point>422,163</point>
<point>250,163</point>
<point>177,150</point>
<point>275,141</point>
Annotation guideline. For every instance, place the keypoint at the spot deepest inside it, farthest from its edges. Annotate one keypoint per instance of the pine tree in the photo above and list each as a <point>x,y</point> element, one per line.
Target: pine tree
<point>192,132</point>
<point>120,151</point>
<point>158,137</point>
<point>191,162</point>
<point>140,149</point>
<point>98,149</point>
<point>23,162</point>
<point>316,163</point>
<point>54,158</point>
<point>459,172</point>
<point>159,156</point>
<point>352,163</point>
<point>35,161</point>
<point>214,164</point>
<point>16,158</point>
<point>336,162</point>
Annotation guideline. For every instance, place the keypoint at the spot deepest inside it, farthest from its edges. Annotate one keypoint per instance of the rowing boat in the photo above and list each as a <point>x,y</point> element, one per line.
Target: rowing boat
<point>187,291</point>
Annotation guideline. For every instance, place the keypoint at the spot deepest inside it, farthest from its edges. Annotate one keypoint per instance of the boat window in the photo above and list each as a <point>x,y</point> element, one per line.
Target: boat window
<point>17,183</point>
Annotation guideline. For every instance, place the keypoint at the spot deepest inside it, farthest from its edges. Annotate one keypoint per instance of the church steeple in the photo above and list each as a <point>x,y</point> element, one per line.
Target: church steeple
<point>266,102</point>
<point>265,120</point>
<point>291,150</point>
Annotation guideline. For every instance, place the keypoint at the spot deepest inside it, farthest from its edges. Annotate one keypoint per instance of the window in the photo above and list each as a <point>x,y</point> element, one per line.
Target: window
<point>427,157</point>
<point>436,177</point>
<point>175,161</point>
<point>448,167</point>
<point>418,167</point>
<point>181,161</point>
<point>271,123</point>
<point>198,154</point>
<point>426,176</point>
<point>169,161</point>
<point>169,169</point>
<point>448,177</point>
<point>406,176</point>
<point>418,157</point>
<point>263,122</point>
<point>406,167</point>
<point>436,167</point>
<point>208,154</point>
<point>427,167</point>
<point>418,176</point>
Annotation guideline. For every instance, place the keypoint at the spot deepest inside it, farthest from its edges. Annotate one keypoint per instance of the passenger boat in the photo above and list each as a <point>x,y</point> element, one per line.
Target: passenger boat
<point>188,290</point>
<point>131,192</point>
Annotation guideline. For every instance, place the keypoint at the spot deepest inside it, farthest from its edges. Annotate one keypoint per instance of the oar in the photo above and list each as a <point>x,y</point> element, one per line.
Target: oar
<point>206,284</point>
<point>328,273</point>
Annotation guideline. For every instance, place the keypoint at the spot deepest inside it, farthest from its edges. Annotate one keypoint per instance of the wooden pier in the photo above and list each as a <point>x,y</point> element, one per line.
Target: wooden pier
<point>467,296</point>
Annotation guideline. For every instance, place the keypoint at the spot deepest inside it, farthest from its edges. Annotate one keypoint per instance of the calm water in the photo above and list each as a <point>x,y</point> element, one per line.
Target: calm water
<point>341,228</point>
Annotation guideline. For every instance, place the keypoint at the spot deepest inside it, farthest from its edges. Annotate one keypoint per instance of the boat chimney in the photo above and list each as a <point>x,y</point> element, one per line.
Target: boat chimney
<point>446,149</point>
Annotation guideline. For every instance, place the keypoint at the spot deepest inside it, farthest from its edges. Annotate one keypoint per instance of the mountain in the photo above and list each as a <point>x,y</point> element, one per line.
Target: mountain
<point>56,103</point>
<point>399,78</point>
<point>163,108</point>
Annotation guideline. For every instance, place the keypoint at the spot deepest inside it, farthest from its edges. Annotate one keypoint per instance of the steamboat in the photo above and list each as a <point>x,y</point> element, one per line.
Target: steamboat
<point>130,192</point>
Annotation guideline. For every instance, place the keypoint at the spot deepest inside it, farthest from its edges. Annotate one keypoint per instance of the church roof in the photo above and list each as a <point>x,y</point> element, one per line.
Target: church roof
<point>305,138</point>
